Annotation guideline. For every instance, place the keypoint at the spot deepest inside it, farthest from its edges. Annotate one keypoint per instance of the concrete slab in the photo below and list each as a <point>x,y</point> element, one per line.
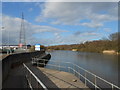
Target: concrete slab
<point>49,70</point>
<point>42,77</point>
<point>63,79</point>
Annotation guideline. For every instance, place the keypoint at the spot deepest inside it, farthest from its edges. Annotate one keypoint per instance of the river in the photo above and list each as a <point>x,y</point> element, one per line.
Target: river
<point>103,65</point>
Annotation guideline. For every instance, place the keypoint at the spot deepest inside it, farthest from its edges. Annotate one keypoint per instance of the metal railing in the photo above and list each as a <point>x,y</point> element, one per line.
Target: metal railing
<point>78,71</point>
<point>29,76</point>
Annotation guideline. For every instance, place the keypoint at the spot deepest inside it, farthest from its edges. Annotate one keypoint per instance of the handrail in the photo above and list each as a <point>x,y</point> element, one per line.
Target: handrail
<point>29,83</point>
<point>84,77</point>
<point>98,77</point>
<point>44,87</point>
<point>80,68</point>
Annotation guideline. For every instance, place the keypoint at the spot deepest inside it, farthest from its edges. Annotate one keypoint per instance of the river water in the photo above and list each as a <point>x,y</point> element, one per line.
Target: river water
<point>103,65</point>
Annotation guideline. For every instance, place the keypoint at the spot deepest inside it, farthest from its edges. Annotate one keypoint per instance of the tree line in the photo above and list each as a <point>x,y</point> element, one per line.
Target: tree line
<point>110,43</point>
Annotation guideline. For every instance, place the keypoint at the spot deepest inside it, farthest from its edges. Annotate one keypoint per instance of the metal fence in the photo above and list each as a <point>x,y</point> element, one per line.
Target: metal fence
<point>89,79</point>
<point>33,80</point>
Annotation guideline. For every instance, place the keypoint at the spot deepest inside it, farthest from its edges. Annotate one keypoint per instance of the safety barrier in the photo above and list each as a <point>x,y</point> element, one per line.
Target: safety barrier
<point>77,71</point>
<point>29,76</point>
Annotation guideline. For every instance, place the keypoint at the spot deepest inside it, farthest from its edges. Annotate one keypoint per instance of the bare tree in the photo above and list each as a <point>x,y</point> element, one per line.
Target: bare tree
<point>114,36</point>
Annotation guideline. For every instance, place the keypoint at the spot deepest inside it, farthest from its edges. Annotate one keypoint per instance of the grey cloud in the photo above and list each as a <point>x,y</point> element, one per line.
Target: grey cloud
<point>71,13</point>
<point>77,33</point>
<point>89,33</point>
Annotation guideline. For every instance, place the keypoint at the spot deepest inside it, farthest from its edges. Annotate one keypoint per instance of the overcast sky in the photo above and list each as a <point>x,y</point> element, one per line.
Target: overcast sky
<point>56,23</point>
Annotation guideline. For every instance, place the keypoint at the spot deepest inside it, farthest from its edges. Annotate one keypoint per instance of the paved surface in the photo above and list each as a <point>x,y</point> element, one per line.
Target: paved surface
<point>50,78</point>
<point>15,79</point>
<point>42,77</point>
<point>63,79</point>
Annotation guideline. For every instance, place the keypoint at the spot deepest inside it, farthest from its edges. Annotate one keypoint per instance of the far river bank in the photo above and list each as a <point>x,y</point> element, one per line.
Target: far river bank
<point>104,51</point>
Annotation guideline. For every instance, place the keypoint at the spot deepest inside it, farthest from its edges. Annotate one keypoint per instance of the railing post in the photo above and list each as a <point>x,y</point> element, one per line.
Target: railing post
<point>112,87</point>
<point>85,79</point>
<point>73,69</point>
<point>95,83</point>
<point>59,65</point>
<point>69,69</point>
<point>79,73</point>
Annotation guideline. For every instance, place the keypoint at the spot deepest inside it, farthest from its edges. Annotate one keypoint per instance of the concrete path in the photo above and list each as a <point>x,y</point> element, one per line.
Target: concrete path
<point>15,79</point>
<point>63,79</point>
<point>52,79</point>
<point>42,77</point>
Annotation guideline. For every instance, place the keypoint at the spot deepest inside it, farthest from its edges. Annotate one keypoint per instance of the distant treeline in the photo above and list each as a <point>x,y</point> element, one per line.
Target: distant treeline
<point>111,43</point>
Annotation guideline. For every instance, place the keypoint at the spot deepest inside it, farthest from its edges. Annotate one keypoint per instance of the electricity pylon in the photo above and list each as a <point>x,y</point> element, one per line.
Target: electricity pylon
<point>22,38</point>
